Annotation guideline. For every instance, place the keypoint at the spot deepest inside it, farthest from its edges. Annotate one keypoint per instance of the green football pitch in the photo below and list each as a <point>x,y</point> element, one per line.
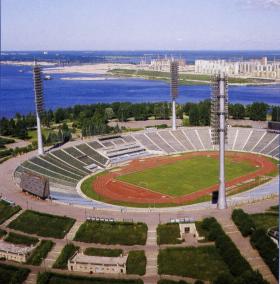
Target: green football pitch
<point>187,176</point>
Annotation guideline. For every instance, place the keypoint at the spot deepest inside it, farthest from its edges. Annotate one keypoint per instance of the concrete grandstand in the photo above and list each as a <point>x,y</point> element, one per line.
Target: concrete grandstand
<point>67,166</point>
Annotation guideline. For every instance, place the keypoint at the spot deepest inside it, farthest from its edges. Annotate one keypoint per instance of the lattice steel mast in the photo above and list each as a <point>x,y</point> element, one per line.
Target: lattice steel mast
<point>219,114</point>
<point>174,67</point>
<point>39,103</point>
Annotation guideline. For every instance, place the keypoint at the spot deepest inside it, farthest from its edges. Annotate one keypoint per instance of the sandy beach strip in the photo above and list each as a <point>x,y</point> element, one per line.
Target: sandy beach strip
<point>101,68</point>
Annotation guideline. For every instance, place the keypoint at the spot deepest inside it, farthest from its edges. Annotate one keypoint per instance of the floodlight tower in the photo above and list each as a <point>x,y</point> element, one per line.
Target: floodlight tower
<point>39,103</point>
<point>219,114</point>
<point>174,67</point>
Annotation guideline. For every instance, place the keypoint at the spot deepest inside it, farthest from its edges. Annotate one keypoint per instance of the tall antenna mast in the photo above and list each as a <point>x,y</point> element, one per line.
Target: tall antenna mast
<point>174,67</point>
<point>39,103</point>
<point>219,114</point>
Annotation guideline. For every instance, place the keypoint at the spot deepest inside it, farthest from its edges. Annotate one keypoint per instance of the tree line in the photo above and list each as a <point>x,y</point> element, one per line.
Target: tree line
<point>93,119</point>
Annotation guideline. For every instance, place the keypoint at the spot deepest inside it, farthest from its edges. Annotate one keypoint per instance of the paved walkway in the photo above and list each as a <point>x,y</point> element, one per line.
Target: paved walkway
<point>244,245</point>
<point>8,221</point>
<point>71,234</point>
<point>32,278</point>
<point>53,255</point>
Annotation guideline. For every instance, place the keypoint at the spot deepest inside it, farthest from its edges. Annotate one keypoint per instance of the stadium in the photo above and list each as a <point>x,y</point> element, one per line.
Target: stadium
<point>164,205</point>
<point>113,169</point>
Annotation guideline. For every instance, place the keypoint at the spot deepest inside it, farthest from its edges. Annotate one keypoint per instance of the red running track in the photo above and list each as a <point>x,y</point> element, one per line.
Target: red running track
<point>106,185</point>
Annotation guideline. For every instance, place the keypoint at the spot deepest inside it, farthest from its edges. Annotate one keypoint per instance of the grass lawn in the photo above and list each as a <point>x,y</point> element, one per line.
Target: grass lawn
<point>103,252</point>
<point>136,262</point>
<point>40,252</point>
<point>12,274</point>
<point>265,220</point>
<point>184,79</point>
<point>7,211</point>
<point>67,252</point>
<point>196,262</point>
<point>21,239</point>
<point>168,234</point>
<point>55,278</point>
<point>187,176</point>
<point>112,233</point>
<point>42,224</point>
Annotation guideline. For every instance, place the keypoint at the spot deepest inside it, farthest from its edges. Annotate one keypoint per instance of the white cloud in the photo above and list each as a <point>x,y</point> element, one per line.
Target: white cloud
<point>264,3</point>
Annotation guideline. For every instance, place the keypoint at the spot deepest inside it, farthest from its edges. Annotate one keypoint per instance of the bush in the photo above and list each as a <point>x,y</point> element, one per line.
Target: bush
<point>227,249</point>
<point>67,252</point>
<point>136,262</point>
<point>40,252</point>
<point>243,221</point>
<point>267,249</point>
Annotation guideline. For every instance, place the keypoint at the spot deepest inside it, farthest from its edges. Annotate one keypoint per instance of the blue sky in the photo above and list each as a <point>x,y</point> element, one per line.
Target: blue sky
<point>140,24</point>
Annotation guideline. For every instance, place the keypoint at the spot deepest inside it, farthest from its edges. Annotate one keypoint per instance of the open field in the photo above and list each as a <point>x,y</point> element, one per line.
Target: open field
<point>42,224</point>
<point>112,233</point>
<point>186,176</point>
<point>200,263</point>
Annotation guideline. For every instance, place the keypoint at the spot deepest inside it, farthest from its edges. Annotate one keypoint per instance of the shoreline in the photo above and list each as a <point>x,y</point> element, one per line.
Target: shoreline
<point>105,69</point>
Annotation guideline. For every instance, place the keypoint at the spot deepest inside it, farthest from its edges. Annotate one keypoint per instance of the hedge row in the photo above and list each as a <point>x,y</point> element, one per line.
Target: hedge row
<point>267,249</point>
<point>259,240</point>
<point>248,277</point>
<point>243,221</point>
<point>227,249</point>
<point>49,277</point>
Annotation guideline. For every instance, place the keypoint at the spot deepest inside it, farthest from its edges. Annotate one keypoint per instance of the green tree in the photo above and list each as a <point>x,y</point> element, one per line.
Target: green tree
<point>194,115</point>
<point>275,113</point>
<point>237,111</point>
<point>258,111</point>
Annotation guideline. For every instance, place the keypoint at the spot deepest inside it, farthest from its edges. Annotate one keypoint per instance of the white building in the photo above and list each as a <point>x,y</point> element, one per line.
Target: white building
<point>253,68</point>
<point>97,264</point>
<point>18,253</point>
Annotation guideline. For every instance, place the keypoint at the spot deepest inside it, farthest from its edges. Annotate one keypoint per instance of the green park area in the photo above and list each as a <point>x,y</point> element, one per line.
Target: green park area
<point>203,262</point>
<point>124,233</point>
<point>42,224</point>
